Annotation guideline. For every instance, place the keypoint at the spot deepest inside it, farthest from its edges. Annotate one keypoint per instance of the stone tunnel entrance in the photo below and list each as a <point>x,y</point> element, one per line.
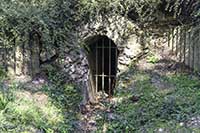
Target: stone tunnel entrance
<point>102,58</point>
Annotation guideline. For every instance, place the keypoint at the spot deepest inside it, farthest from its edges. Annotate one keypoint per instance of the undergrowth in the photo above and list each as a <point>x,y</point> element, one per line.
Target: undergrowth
<point>54,107</point>
<point>50,109</point>
<point>166,110</point>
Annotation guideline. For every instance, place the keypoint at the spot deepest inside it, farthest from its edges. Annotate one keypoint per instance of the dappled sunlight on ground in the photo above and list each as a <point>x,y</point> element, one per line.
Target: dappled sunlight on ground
<point>154,95</point>
<point>30,107</point>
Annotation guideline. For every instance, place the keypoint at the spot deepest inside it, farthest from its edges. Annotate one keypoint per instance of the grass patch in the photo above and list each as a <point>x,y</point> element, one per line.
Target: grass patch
<point>157,109</point>
<point>151,58</point>
<point>52,109</point>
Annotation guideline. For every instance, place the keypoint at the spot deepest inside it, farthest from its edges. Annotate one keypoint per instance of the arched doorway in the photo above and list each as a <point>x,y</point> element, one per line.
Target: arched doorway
<point>102,57</point>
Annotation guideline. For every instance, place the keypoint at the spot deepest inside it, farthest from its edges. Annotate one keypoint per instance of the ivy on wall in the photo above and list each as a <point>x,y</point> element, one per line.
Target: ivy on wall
<point>50,19</point>
<point>57,21</point>
<point>143,10</point>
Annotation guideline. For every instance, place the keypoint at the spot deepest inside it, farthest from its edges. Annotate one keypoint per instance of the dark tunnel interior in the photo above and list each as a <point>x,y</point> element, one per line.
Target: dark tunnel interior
<point>102,57</point>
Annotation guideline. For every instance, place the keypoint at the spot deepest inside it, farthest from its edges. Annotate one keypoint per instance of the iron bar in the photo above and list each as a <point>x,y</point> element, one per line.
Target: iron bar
<point>116,59</point>
<point>103,65</point>
<point>173,39</point>
<point>106,66</point>
<point>96,83</point>
<point>177,40</point>
<point>180,43</point>
<point>110,63</point>
<point>184,44</point>
<point>198,51</point>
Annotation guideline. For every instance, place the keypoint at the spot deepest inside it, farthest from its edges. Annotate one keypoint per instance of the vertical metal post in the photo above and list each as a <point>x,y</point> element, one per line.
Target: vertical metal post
<point>103,64</point>
<point>109,77</point>
<point>173,39</point>
<point>180,43</point>
<point>116,62</point>
<point>168,38</point>
<point>199,51</point>
<point>193,52</point>
<point>96,75</point>
<point>189,52</point>
<point>184,44</point>
<point>177,40</point>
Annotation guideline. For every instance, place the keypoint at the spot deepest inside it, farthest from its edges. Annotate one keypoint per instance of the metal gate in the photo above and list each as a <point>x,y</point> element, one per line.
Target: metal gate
<point>103,64</point>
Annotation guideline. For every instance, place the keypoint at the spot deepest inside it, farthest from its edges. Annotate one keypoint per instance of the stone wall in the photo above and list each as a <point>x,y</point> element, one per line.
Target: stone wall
<point>130,40</point>
<point>8,60</point>
<point>127,36</point>
<point>21,57</point>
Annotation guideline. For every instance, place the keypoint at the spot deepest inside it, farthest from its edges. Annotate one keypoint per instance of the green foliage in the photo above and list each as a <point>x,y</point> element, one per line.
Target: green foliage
<point>143,11</point>
<point>152,59</point>
<point>156,108</point>
<point>56,21</point>
<point>4,100</point>
<point>2,73</point>
<point>50,19</point>
<point>51,109</point>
